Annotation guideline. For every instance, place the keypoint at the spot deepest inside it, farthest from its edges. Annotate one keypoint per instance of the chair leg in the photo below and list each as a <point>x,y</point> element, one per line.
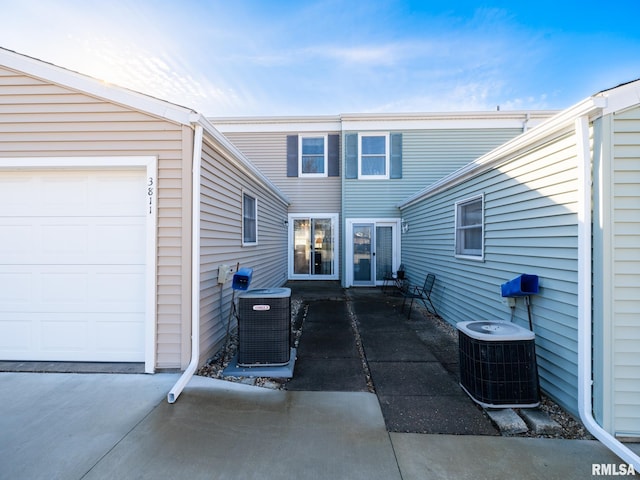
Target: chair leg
<point>432,307</point>
<point>410,308</point>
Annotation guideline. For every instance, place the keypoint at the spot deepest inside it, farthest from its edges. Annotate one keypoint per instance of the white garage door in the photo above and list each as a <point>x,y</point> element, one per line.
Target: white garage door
<point>72,272</point>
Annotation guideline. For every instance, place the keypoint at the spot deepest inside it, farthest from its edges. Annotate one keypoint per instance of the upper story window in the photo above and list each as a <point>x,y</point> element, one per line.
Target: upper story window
<point>312,158</point>
<point>313,155</point>
<point>373,156</point>
<point>470,228</point>
<point>373,161</point>
<point>249,219</point>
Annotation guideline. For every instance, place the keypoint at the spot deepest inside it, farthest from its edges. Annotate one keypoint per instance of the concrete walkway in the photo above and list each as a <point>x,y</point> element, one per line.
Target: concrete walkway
<point>98,426</point>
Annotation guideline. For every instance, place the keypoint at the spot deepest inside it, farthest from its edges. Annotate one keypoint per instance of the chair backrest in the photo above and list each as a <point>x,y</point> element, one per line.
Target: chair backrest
<point>400,272</point>
<point>428,283</point>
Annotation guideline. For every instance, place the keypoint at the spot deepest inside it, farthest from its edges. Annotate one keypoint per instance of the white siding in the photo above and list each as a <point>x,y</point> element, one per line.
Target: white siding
<point>530,227</point>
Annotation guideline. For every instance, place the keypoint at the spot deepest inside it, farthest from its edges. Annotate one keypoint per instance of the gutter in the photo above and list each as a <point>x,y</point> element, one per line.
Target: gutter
<point>584,300</point>
<point>195,268</point>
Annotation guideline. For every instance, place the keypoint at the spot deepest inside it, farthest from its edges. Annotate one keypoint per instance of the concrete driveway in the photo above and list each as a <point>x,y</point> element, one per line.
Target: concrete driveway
<point>120,426</point>
<point>97,426</point>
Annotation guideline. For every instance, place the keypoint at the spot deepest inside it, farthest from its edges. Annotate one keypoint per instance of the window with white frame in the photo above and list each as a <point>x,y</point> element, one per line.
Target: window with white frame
<point>373,159</point>
<point>312,156</point>
<point>470,228</point>
<point>249,220</point>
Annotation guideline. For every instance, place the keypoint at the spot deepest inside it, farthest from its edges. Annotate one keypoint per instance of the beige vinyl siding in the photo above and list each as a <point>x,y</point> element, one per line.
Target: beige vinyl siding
<point>222,187</point>
<point>42,119</point>
<point>530,227</point>
<point>427,156</point>
<point>268,152</point>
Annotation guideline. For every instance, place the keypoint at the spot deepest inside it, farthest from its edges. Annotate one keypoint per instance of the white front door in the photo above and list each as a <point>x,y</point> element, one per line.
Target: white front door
<point>72,264</point>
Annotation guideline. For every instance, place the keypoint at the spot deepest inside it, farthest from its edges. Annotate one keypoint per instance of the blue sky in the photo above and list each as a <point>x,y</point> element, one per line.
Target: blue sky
<point>241,57</point>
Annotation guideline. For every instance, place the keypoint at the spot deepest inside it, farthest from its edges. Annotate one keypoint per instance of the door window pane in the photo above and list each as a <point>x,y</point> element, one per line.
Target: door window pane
<point>301,246</point>
<point>384,251</point>
<point>362,253</point>
<point>322,246</point>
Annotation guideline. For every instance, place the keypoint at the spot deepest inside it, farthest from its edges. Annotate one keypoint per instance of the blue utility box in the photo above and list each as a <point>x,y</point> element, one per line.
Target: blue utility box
<point>520,286</point>
<point>242,279</point>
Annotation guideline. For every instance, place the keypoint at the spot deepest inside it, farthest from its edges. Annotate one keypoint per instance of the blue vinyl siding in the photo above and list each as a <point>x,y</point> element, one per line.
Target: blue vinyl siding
<point>427,156</point>
<point>530,226</point>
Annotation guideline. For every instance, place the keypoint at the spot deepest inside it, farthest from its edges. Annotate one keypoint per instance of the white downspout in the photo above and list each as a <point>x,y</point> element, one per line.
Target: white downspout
<point>195,268</point>
<point>584,300</point>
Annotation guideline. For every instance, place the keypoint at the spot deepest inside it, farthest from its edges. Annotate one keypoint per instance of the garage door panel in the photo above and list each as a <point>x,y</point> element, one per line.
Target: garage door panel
<point>15,289</point>
<point>72,265</point>
<point>81,193</point>
<point>66,195</point>
<point>131,200</point>
<point>62,290</point>
<point>124,238</point>
<point>73,336</point>
<point>123,334</point>
<point>73,288</point>
<point>17,243</point>
<point>76,241</point>
<point>15,333</point>
<point>125,289</point>
<point>59,241</point>
<point>16,196</point>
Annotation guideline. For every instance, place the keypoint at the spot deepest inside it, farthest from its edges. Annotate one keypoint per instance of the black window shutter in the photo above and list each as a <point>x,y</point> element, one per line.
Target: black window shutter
<point>292,155</point>
<point>396,155</point>
<point>351,155</point>
<point>333,156</point>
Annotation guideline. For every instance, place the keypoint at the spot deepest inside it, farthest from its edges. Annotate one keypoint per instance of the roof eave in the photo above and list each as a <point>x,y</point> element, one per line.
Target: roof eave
<point>92,86</point>
<point>592,107</point>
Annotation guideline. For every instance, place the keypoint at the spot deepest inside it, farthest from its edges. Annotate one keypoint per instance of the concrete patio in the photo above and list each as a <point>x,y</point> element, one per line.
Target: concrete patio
<point>96,426</point>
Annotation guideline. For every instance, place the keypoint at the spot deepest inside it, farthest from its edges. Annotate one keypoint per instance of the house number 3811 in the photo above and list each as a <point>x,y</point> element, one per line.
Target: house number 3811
<point>150,190</point>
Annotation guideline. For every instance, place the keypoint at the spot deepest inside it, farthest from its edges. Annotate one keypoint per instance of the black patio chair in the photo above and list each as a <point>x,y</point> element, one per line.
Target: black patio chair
<point>398,279</point>
<point>421,293</point>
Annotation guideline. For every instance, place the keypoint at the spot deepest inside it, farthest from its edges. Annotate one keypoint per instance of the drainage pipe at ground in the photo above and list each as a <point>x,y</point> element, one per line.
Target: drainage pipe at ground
<point>195,268</point>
